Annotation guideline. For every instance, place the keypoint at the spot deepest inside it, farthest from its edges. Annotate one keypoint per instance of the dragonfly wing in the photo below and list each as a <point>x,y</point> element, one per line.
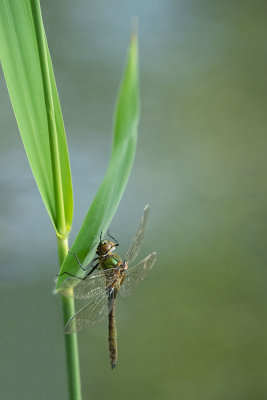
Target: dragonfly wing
<point>92,313</point>
<point>134,249</point>
<point>137,274</point>
<point>89,287</point>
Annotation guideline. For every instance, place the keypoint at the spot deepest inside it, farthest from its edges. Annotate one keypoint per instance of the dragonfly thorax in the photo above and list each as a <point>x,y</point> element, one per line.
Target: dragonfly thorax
<point>105,247</point>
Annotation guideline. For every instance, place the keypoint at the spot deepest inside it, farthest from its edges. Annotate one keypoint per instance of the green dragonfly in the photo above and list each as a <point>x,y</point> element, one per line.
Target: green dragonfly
<point>102,286</point>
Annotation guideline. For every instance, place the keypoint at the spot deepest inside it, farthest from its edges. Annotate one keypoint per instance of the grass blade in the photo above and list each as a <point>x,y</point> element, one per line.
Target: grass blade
<point>31,84</point>
<point>111,190</point>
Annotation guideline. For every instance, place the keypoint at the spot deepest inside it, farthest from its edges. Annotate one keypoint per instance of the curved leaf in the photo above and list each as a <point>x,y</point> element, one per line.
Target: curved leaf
<point>111,190</point>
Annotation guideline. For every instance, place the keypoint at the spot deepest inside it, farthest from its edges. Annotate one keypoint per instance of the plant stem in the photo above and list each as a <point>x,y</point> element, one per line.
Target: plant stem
<point>71,342</point>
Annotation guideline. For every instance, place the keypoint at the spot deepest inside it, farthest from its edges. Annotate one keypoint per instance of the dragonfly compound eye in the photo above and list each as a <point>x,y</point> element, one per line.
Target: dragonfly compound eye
<point>105,247</point>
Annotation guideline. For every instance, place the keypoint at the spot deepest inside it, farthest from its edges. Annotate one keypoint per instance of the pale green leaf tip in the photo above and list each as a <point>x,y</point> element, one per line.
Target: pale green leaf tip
<point>134,29</point>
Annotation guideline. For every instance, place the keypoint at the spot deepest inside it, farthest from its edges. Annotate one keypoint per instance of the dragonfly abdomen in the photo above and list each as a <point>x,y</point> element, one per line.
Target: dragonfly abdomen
<point>112,336</point>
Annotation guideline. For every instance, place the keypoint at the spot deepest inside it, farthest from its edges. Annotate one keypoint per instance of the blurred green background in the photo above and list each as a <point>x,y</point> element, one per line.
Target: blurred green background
<point>196,328</point>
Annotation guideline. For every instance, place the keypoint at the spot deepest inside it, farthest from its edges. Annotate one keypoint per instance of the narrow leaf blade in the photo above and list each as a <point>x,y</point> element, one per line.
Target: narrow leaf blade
<point>21,64</point>
<point>111,190</point>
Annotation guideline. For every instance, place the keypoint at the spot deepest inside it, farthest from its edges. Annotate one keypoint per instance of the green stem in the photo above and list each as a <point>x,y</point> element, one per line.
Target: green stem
<point>71,342</point>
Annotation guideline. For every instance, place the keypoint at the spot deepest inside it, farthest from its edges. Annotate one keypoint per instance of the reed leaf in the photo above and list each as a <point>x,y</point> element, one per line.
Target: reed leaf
<point>29,76</point>
<point>111,190</point>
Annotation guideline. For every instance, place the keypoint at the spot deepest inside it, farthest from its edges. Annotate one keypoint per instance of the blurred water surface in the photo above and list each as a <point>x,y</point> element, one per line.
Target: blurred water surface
<point>196,328</point>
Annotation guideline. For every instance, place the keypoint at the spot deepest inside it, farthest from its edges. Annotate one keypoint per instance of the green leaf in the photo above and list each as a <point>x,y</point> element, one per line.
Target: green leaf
<point>111,190</point>
<point>32,88</point>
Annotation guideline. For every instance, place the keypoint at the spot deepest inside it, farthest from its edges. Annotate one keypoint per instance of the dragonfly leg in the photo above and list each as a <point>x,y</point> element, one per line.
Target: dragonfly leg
<point>78,277</point>
<point>92,270</point>
<point>83,268</point>
<point>112,237</point>
<point>91,263</point>
<point>73,276</point>
<point>80,264</point>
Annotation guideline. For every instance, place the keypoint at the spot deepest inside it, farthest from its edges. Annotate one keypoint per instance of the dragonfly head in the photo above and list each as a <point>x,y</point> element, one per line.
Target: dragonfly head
<point>105,247</point>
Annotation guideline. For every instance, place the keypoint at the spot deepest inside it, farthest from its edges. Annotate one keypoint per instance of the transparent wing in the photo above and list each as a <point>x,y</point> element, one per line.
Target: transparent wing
<point>137,274</point>
<point>92,313</point>
<point>90,287</point>
<point>134,249</point>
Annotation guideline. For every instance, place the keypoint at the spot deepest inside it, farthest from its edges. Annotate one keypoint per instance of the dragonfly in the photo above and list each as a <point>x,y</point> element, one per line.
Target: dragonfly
<point>108,276</point>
